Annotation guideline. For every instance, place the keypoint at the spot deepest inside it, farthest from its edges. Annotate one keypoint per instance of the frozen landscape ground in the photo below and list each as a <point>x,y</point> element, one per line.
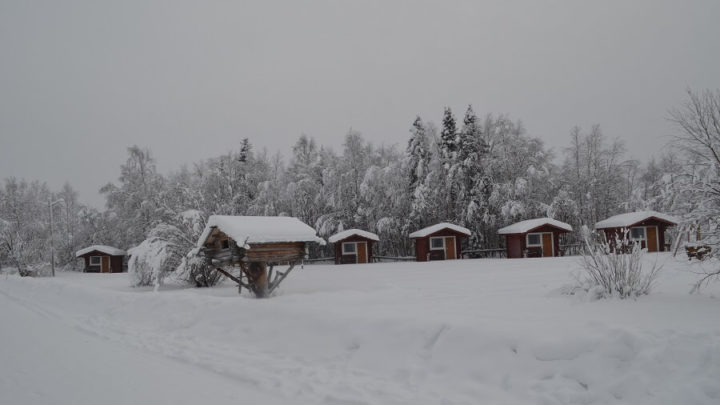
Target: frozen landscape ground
<point>459,332</point>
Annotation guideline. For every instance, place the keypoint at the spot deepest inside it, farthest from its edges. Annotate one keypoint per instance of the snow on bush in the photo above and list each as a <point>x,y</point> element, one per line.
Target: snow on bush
<point>196,270</point>
<point>155,257</point>
<point>169,249</point>
<point>611,273</point>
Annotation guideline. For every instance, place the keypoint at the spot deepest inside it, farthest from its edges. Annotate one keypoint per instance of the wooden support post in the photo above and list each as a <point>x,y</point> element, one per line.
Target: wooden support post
<point>279,277</point>
<point>258,278</point>
<point>233,278</point>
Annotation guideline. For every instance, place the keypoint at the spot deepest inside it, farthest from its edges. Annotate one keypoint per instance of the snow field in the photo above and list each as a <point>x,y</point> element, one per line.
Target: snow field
<point>460,332</point>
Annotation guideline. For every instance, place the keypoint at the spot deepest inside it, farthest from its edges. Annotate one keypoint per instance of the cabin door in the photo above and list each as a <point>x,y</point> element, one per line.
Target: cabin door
<point>105,266</point>
<point>652,238</point>
<point>362,256</point>
<point>547,244</point>
<point>450,253</point>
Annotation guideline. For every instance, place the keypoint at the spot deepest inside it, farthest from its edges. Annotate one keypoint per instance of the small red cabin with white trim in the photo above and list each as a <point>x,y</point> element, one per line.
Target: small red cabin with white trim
<point>439,242</point>
<point>539,237</point>
<point>353,246</point>
<point>646,227</point>
<point>102,259</point>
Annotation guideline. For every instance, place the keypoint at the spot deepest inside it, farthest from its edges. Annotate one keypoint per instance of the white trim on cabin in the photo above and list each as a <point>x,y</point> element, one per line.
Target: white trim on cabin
<point>99,261</point>
<point>645,237</point>
<point>639,238</point>
<point>348,251</point>
<point>540,234</point>
<point>434,238</point>
<point>356,250</point>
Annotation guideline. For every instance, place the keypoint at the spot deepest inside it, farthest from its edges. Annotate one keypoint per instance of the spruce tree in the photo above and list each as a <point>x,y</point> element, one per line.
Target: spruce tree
<point>448,137</point>
<point>418,154</point>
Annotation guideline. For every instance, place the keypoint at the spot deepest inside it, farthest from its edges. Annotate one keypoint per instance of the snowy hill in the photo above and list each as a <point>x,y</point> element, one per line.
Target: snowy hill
<point>456,332</point>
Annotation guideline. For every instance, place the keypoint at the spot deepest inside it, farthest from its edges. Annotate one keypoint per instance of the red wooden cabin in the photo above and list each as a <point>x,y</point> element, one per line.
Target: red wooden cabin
<point>644,227</point>
<point>102,259</point>
<point>353,246</point>
<point>539,237</point>
<point>439,242</point>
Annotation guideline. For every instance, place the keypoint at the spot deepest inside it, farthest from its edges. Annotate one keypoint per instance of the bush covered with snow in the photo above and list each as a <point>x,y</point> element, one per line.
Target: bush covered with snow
<point>158,255</point>
<point>197,271</point>
<point>609,272</point>
<point>169,249</point>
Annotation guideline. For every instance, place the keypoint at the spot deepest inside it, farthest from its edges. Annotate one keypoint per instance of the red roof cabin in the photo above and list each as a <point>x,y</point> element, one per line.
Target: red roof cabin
<point>102,259</point>
<point>539,237</point>
<point>353,246</point>
<point>439,242</point>
<point>646,227</point>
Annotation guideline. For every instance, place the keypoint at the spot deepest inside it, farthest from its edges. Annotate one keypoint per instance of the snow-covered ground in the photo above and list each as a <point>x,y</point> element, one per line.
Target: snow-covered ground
<point>459,332</point>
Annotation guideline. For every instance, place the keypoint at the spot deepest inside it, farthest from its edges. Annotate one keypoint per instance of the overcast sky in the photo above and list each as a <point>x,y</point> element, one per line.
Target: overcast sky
<point>82,80</point>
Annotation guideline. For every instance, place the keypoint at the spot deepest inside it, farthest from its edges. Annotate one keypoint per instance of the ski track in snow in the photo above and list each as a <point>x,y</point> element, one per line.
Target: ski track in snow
<point>414,340</point>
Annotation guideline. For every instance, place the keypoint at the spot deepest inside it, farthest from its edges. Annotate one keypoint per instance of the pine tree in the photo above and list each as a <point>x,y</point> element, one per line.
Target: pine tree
<point>448,137</point>
<point>244,150</point>
<point>417,155</point>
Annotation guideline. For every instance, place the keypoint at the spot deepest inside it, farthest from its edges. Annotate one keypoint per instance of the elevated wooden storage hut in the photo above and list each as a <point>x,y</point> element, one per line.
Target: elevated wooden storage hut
<point>644,227</point>
<point>539,237</point>
<point>439,242</point>
<point>254,243</point>
<point>353,246</point>
<point>102,259</point>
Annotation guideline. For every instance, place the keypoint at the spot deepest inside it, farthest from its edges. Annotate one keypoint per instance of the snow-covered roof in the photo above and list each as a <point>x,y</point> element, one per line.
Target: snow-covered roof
<point>246,230</point>
<point>439,227</point>
<point>632,218</point>
<point>531,224</point>
<point>108,250</point>
<point>350,232</point>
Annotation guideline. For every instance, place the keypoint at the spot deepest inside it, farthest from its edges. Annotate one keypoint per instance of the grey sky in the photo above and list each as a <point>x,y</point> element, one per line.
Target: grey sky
<point>82,80</point>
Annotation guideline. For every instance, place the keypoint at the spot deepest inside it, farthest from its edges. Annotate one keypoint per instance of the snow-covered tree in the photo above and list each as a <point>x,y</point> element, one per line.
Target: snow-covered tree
<point>135,201</point>
<point>24,234</point>
<point>157,256</point>
<point>448,137</point>
<point>417,155</point>
<point>596,176</point>
<point>698,121</point>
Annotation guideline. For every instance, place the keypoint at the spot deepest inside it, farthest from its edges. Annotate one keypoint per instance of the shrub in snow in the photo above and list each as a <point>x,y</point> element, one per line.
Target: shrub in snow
<point>197,271</point>
<point>611,273</point>
<point>155,257</point>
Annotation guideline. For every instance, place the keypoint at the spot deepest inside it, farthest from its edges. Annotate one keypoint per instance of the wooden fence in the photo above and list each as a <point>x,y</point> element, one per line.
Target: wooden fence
<point>383,259</point>
<point>484,253</point>
<point>573,249</point>
<point>320,260</point>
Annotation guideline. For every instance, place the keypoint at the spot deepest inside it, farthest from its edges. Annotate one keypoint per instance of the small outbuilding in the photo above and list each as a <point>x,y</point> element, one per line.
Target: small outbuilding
<point>353,246</point>
<point>646,227</point>
<point>254,244</point>
<point>439,242</point>
<point>539,237</point>
<point>102,259</point>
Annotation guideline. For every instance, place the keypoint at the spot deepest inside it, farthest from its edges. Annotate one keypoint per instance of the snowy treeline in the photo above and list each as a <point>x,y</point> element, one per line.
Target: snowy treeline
<point>25,224</point>
<point>481,173</point>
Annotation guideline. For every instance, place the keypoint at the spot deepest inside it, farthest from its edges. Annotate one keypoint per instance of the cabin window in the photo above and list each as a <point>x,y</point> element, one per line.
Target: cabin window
<point>95,260</point>
<point>637,234</point>
<point>534,239</point>
<point>437,243</point>
<point>349,248</point>
<point>225,244</point>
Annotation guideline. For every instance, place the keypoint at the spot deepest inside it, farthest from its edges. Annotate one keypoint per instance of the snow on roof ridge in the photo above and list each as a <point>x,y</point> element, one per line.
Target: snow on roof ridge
<point>109,250</point>
<point>260,229</point>
<point>350,232</point>
<point>530,224</point>
<point>631,218</point>
<point>438,227</point>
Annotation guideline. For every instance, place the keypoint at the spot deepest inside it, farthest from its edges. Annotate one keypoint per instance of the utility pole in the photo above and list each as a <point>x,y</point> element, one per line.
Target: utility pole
<point>52,242</point>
